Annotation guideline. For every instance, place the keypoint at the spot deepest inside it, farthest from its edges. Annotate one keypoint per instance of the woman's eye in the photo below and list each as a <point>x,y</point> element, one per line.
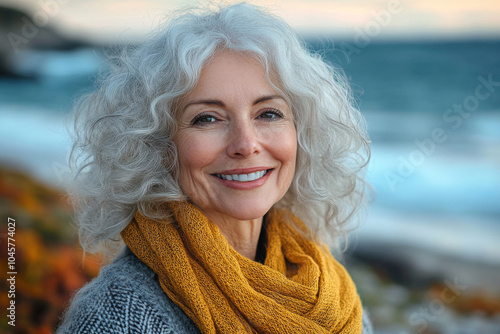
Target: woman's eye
<point>271,114</point>
<point>203,119</point>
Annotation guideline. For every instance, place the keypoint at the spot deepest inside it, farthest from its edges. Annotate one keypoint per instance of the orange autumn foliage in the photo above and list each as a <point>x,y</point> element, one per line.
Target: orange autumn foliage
<point>49,263</point>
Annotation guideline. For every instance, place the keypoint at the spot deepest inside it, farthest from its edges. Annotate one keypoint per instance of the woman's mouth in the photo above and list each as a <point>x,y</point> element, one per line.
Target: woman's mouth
<point>243,177</point>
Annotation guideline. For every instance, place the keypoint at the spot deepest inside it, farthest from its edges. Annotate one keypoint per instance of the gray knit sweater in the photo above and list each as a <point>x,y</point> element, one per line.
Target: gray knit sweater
<point>126,297</point>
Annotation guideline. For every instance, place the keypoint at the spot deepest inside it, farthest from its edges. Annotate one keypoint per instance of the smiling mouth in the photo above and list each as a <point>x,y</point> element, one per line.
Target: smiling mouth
<point>243,177</point>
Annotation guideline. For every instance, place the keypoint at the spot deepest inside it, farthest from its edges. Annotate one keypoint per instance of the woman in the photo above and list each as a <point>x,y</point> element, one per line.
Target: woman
<point>225,156</point>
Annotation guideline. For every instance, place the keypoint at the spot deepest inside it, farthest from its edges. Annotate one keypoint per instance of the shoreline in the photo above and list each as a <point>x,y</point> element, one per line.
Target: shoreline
<point>414,266</point>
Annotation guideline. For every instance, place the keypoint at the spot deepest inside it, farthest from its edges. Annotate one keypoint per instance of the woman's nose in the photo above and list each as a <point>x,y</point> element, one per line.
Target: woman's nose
<point>243,140</point>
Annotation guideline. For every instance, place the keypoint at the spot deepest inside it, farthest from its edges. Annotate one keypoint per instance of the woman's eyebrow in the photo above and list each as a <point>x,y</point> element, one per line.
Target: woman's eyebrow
<point>221,104</point>
<point>267,98</point>
<point>207,102</point>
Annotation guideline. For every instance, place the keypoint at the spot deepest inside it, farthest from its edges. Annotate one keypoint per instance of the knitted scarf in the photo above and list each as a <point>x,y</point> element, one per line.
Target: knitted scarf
<point>300,288</point>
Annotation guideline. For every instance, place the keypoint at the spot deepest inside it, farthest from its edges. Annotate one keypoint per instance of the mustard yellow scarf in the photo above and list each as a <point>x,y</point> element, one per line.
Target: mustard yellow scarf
<point>300,288</point>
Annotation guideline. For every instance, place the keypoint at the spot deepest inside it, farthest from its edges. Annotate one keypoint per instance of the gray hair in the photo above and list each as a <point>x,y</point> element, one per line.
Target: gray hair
<point>123,153</point>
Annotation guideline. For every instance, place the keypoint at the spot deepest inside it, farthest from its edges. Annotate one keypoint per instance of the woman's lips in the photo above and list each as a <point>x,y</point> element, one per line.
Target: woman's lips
<point>244,178</point>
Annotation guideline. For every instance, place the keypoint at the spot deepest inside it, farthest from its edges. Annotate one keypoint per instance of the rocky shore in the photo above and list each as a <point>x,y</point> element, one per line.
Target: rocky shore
<point>415,290</point>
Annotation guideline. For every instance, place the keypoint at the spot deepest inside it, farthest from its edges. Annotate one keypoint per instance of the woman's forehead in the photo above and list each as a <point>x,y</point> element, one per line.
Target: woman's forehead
<point>230,74</point>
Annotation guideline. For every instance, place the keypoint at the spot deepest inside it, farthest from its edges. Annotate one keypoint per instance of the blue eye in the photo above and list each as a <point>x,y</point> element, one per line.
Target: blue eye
<point>271,114</point>
<point>203,119</point>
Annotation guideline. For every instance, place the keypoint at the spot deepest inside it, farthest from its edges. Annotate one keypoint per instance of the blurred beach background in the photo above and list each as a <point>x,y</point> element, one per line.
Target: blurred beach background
<point>426,75</point>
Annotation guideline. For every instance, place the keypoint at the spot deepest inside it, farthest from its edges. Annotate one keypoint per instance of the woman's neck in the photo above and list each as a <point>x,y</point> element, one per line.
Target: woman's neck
<point>242,235</point>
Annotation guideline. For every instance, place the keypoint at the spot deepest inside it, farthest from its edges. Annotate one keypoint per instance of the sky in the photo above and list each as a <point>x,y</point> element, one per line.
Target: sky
<point>109,20</point>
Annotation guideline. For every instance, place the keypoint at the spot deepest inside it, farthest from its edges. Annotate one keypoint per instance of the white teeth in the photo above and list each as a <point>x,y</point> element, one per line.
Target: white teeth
<point>243,177</point>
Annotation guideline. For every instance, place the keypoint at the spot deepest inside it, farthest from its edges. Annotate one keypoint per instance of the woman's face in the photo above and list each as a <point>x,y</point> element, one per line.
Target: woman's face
<point>236,140</point>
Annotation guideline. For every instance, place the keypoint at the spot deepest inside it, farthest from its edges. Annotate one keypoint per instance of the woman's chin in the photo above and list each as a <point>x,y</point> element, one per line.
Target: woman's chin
<point>246,211</point>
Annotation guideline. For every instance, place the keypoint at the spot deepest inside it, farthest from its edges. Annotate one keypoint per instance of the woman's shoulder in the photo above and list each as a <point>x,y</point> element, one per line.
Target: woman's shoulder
<point>367,324</point>
<point>126,297</point>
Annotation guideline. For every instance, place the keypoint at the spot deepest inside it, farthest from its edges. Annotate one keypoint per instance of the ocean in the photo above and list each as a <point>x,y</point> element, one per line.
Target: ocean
<point>433,113</point>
